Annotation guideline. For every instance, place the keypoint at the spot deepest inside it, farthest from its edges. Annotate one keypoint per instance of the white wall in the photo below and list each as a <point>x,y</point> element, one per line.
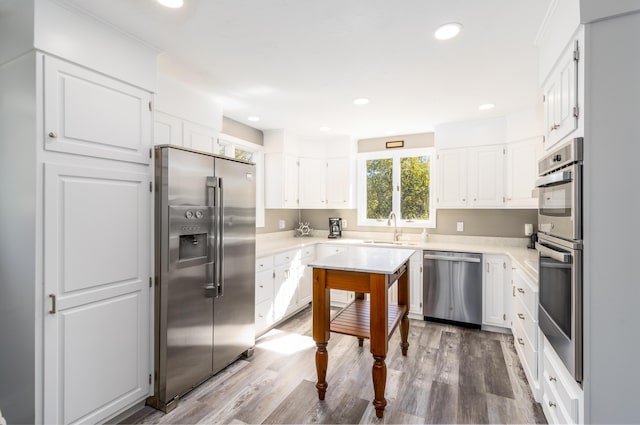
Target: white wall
<point>612,206</point>
<point>18,246</point>
<point>16,29</point>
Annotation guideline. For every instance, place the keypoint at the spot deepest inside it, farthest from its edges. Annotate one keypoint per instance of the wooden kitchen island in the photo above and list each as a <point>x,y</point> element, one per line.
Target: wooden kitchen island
<point>363,270</point>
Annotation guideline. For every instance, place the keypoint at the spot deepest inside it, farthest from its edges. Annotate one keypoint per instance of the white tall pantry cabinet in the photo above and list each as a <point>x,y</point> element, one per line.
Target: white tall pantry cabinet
<point>76,212</point>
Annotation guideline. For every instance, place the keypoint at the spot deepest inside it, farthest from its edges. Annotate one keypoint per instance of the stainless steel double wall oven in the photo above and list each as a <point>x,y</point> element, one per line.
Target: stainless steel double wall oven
<point>560,250</point>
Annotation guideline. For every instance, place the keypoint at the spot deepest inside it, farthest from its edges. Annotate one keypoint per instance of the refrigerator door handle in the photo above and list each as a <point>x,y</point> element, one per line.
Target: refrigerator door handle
<point>220,238</point>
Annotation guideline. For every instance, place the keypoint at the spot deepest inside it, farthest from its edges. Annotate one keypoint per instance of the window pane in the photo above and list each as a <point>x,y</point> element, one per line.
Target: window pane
<point>243,155</point>
<point>414,188</point>
<point>379,188</point>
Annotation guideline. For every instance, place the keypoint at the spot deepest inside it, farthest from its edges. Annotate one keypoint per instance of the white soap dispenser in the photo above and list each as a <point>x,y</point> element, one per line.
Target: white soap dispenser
<point>424,236</point>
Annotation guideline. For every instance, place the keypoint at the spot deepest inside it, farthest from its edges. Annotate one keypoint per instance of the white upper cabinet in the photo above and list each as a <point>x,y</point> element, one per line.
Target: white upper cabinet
<point>471,177</point>
<point>199,137</point>
<point>167,129</point>
<point>521,174</point>
<point>562,111</point>
<point>338,183</point>
<point>452,179</point>
<point>90,114</point>
<point>281,180</point>
<point>313,182</point>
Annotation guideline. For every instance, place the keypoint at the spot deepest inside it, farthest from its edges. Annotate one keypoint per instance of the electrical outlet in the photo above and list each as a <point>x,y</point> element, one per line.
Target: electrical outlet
<point>281,224</point>
<point>344,224</point>
<point>460,226</point>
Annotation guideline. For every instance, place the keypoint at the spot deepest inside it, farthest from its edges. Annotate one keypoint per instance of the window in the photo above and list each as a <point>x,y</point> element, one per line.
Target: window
<point>236,148</point>
<point>398,182</point>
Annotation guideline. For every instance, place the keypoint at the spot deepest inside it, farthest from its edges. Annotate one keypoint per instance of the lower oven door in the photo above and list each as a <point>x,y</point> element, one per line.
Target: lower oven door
<point>560,304</point>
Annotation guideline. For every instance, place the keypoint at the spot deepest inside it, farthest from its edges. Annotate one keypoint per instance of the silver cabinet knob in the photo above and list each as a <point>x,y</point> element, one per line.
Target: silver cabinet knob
<point>53,135</point>
<point>521,316</point>
<point>552,378</point>
<point>521,290</point>
<point>552,404</point>
<point>520,341</point>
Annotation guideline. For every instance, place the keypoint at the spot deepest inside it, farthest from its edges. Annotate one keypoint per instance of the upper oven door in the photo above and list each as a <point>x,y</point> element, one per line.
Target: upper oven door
<point>559,203</point>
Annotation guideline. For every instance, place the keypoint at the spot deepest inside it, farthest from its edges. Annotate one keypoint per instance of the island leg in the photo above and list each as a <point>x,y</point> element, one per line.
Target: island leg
<point>378,331</point>
<point>321,333</point>
<point>403,299</point>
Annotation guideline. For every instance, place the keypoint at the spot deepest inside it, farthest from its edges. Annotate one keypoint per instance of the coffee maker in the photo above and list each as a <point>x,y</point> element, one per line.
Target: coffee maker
<point>335,227</point>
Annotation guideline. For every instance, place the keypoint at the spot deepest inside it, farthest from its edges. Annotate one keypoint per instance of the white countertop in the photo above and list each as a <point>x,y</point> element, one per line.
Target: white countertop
<point>523,258</point>
<point>366,259</point>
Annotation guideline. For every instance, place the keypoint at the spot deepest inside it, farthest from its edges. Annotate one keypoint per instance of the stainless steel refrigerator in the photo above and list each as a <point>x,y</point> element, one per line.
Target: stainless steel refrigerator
<point>205,262</point>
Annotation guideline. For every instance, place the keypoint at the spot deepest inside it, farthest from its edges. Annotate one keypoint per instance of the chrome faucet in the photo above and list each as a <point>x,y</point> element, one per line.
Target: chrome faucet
<point>395,225</point>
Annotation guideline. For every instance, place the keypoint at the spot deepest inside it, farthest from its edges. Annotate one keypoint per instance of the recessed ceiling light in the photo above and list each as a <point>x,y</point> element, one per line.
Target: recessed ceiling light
<point>325,128</point>
<point>486,106</point>
<point>174,4</point>
<point>447,31</point>
<point>254,119</point>
<point>360,101</point>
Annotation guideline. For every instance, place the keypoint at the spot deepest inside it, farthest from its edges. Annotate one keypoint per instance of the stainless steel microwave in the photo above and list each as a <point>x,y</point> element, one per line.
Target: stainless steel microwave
<point>560,192</point>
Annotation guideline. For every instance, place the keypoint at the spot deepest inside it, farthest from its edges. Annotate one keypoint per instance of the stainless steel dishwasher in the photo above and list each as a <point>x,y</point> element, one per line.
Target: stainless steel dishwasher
<point>452,287</point>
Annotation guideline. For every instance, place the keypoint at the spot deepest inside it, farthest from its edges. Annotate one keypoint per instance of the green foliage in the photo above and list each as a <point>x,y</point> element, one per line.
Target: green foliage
<point>414,188</point>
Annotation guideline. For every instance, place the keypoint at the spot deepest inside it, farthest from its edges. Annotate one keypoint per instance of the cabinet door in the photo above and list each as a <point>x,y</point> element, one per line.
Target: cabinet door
<point>496,285</point>
<point>312,184</point>
<point>285,291</point>
<point>90,114</point>
<point>338,183</point>
<point>522,171</point>
<point>415,280</point>
<point>291,182</point>
<point>167,129</point>
<point>486,176</point>
<point>452,171</point>
<point>97,266</point>
<point>199,137</point>
<point>561,101</point>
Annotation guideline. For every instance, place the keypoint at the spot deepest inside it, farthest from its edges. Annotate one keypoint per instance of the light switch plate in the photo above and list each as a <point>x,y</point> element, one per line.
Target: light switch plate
<point>344,224</point>
<point>460,226</point>
<point>281,224</point>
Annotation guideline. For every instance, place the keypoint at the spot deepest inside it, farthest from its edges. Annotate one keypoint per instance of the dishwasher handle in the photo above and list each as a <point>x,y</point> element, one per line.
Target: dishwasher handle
<point>449,258</point>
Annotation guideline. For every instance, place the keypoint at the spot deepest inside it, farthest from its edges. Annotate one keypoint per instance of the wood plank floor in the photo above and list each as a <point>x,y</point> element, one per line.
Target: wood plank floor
<point>451,375</point>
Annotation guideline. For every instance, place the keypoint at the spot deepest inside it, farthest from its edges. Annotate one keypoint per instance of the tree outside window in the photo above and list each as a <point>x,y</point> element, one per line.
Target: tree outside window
<point>397,181</point>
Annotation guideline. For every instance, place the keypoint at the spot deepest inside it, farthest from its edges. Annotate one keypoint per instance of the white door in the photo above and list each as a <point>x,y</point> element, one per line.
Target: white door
<point>290,182</point>
<point>486,176</point>
<point>312,183</point>
<point>494,309</point>
<point>452,181</point>
<point>522,171</point>
<point>338,183</point>
<point>90,114</point>
<point>566,95</point>
<point>97,292</point>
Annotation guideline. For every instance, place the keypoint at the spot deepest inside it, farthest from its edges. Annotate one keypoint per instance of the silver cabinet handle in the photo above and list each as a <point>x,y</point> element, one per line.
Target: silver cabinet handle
<point>449,258</point>
<point>521,316</point>
<point>521,290</point>
<point>520,341</point>
<point>53,304</point>
<point>53,135</point>
<point>552,378</point>
<point>464,199</point>
<point>261,286</point>
<point>552,404</point>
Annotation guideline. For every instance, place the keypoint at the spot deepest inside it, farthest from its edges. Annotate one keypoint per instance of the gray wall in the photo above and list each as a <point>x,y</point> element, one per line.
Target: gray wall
<point>611,205</point>
<point>497,223</point>
<point>242,131</point>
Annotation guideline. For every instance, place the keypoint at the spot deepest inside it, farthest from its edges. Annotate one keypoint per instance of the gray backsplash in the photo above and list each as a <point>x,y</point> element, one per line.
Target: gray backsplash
<point>477,222</point>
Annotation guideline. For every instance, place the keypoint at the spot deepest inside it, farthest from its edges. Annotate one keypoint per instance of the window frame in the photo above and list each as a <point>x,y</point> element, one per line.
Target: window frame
<point>395,156</point>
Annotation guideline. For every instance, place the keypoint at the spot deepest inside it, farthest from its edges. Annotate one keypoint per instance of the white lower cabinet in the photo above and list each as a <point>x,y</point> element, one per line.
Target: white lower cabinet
<point>524,325</point>
<point>562,397</point>
<point>496,286</point>
<point>283,286</point>
<point>415,286</point>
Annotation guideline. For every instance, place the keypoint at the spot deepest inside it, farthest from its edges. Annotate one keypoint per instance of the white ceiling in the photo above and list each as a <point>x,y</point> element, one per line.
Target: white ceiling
<point>298,64</point>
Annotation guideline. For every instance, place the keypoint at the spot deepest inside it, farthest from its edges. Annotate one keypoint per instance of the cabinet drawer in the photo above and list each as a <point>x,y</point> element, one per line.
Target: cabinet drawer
<point>285,257</point>
<point>264,315</point>
<point>328,250</point>
<point>527,292</point>
<point>557,378</point>
<point>307,253</point>
<point>555,411</point>
<point>264,286</point>
<point>528,325</point>
<point>264,263</point>
<point>526,350</point>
